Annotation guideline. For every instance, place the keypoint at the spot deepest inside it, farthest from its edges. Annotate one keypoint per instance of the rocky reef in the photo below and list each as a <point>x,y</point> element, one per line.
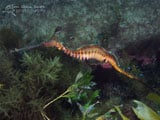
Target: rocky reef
<point>112,24</point>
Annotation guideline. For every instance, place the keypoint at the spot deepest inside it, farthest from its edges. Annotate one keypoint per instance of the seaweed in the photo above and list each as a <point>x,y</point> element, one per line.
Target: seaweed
<point>81,93</point>
<point>29,87</point>
<point>141,112</point>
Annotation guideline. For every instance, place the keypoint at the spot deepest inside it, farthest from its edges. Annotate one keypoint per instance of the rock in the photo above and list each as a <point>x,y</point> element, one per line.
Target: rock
<point>121,22</point>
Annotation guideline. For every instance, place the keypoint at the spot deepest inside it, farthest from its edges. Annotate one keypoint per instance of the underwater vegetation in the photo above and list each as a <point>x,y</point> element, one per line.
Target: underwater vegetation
<point>141,111</point>
<point>28,88</point>
<point>33,87</point>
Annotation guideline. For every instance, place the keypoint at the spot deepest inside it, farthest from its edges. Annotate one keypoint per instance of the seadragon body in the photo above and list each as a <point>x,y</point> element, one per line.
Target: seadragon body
<point>90,52</point>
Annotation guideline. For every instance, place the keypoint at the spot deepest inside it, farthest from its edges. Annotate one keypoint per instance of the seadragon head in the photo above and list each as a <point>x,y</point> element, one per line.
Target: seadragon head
<point>54,43</point>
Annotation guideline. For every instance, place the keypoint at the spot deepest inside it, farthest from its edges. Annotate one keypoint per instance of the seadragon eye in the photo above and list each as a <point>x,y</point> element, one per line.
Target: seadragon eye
<point>104,60</point>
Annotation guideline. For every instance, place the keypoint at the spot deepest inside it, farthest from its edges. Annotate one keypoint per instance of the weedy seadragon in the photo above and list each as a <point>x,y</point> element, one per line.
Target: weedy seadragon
<point>89,52</point>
